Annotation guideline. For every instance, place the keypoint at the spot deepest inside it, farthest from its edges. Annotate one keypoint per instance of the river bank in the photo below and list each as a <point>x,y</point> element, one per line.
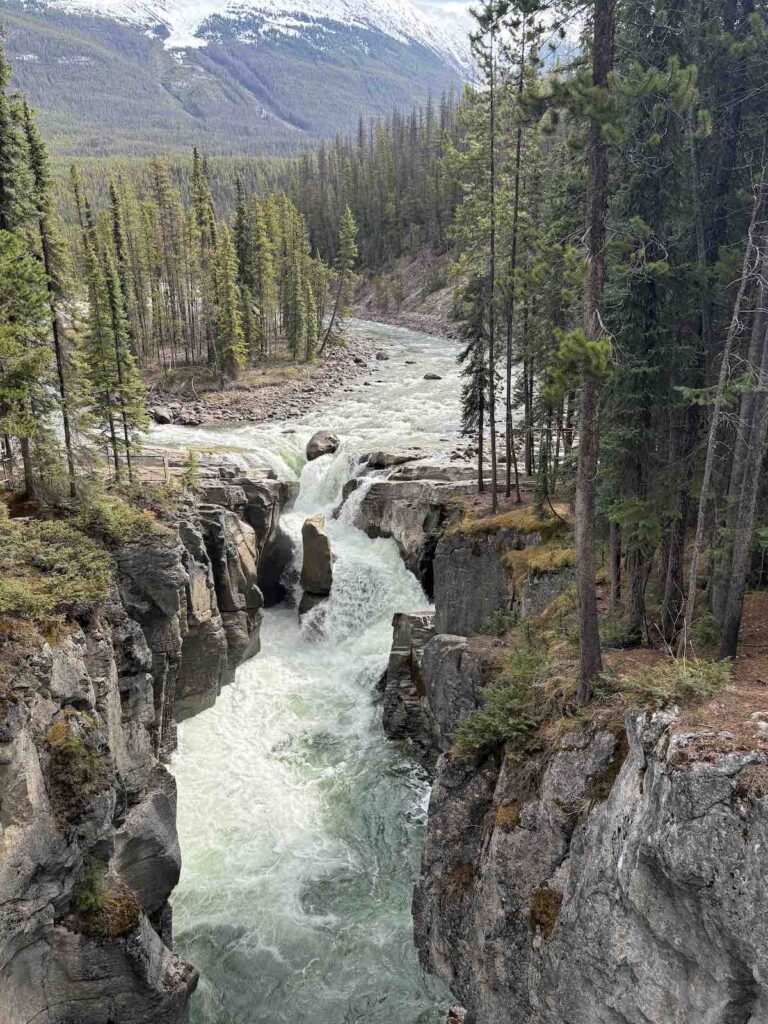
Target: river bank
<point>415,293</point>
<point>279,390</point>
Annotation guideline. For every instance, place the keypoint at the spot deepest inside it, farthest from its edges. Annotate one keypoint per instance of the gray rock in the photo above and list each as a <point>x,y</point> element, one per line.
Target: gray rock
<point>275,564</point>
<point>626,884</point>
<point>457,1015</point>
<point>51,971</point>
<point>539,590</point>
<point>471,564</point>
<point>384,460</point>
<point>309,601</point>
<point>323,442</point>
<point>317,560</point>
<point>405,713</point>
<point>411,512</point>
<point>382,355</point>
<point>147,856</point>
<point>432,376</point>
<point>161,414</point>
<point>454,669</point>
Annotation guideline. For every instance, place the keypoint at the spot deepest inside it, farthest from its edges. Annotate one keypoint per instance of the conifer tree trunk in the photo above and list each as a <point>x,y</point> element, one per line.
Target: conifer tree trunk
<point>492,275</point>
<point>480,448</point>
<point>56,332</point>
<point>512,273</point>
<point>614,546</point>
<point>590,661</point>
<point>673,600</point>
<point>722,575</point>
<point>717,407</point>
<point>745,523</point>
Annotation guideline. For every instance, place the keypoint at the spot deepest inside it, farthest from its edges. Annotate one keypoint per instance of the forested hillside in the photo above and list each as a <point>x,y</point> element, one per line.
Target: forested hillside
<point>107,85</point>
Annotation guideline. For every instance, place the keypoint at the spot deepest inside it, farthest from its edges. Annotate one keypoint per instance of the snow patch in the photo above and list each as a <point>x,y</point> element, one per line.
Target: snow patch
<point>183,20</point>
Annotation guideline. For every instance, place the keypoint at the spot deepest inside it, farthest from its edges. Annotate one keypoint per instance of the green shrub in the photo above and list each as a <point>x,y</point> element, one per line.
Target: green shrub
<point>705,631</point>
<point>676,679</point>
<point>512,712</point>
<point>89,891</point>
<point>111,519</point>
<point>49,570</point>
<point>615,632</point>
<point>104,906</point>
<point>191,476</point>
<point>500,623</point>
<point>76,770</point>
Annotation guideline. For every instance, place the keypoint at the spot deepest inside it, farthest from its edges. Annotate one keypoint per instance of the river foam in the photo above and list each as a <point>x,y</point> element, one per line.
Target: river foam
<point>300,826</point>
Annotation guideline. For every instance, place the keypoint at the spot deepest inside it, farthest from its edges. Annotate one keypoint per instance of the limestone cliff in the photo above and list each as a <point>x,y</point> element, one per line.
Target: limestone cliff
<point>614,876</point>
<point>88,847</point>
<point>623,883</point>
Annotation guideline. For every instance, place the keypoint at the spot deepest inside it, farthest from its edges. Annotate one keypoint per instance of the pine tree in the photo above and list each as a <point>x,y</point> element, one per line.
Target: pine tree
<point>25,357</point>
<point>344,263</point>
<point>17,209</point>
<point>230,344</point>
<point>54,265</point>
<point>473,358</point>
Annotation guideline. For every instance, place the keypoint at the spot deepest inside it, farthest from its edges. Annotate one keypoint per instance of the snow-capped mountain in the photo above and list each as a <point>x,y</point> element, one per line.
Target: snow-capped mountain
<point>266,76</point>
<point>185,23</point>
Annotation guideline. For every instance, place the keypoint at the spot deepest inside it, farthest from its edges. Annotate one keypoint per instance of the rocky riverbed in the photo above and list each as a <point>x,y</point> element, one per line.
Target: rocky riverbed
<point>275,392</point>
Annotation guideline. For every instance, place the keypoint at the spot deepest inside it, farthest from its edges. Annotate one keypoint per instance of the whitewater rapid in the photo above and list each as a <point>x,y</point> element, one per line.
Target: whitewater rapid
<point>300,826</point>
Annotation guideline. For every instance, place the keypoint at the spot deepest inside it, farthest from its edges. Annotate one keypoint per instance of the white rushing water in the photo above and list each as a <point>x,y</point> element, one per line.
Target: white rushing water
<point>300,826</point>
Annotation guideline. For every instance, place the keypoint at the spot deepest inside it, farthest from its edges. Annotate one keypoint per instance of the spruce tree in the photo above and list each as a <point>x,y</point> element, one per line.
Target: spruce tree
<point>25,356</point>
<point>230,344</point>
<point>54,265</point>
<point>344,263</point>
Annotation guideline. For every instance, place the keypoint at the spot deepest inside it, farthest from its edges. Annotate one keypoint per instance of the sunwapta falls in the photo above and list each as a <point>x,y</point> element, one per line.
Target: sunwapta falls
<point>383,512</point>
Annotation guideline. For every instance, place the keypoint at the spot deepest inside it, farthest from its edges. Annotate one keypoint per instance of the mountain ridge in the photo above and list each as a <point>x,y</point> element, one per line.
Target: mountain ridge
<point>258,80</point>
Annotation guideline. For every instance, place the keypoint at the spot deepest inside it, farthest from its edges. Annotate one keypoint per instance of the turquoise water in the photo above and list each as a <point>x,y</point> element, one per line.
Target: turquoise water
<point>300,826</point>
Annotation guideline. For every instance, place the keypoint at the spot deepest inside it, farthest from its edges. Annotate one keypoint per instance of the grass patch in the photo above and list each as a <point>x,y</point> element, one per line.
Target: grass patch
<point>672,681</point>
<point>108,910</point>
<point>49,570</point>
<point>538,559</point>
<point>752,782</point>
<point>507,816</point>
<point>76,770</point>
<point>526,519</point>
<point>545,910</point>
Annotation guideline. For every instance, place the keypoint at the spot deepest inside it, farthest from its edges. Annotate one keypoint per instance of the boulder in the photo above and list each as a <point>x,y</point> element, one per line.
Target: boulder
<point>147,856</point>
<point>385,460</point>
<point>317,562</point>
<point>322,442</point>
<point>161,414</point>
<point>382,355</point>
<point>310,601</point>
<point>432,376</point>
<point>275,567</point>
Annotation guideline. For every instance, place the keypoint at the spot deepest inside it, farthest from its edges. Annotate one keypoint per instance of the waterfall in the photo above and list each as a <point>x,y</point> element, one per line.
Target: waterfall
<point>300,826</point>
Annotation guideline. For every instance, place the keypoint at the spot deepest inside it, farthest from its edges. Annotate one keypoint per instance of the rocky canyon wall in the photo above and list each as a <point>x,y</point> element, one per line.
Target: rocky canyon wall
<point>88,837</point>
<point>617,876</point>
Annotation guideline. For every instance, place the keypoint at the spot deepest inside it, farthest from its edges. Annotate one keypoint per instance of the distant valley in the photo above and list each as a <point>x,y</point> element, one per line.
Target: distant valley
<point>115,76</point>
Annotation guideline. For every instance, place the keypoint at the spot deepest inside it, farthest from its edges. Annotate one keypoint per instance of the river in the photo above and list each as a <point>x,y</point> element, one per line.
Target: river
<point>300,826</point>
